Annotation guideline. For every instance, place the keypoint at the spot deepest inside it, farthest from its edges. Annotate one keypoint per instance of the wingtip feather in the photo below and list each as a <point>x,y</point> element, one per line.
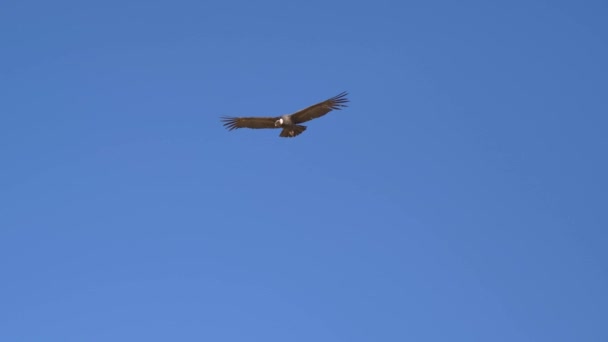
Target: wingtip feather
<point>229,122</point>
<point>339,101</point>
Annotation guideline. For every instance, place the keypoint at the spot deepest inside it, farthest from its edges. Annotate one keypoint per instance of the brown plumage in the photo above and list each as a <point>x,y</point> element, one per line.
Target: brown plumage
<point>289,123</point>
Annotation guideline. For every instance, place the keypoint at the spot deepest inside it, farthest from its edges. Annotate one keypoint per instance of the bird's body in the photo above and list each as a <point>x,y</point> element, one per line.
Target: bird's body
<point>290,123</point>
<point>290,129</point>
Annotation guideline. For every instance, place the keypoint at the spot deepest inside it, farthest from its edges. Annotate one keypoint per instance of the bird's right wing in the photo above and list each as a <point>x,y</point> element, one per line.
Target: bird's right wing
<point>251,122</point>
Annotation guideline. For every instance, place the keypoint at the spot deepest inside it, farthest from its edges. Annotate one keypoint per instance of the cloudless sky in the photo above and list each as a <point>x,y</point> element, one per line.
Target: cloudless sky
<point>460,197</point>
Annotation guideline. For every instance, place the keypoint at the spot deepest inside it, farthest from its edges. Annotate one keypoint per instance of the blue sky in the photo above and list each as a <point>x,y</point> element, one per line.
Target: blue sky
<point>460,197</point>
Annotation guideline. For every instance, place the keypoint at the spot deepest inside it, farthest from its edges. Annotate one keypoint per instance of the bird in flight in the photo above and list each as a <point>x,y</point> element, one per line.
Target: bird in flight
<point>289,123</point>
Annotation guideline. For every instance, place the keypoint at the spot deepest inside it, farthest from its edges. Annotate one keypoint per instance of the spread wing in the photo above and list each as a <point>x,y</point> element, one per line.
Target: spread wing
<point>335,103</point>
<point>252,122</point>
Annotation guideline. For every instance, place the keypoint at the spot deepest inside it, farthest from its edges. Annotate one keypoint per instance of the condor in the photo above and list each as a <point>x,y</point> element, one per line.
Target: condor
<point>290,123</point>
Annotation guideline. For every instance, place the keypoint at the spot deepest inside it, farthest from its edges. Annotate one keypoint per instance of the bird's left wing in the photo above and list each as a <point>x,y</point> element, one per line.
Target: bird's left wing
<point>317,110</point>
<point>251,122</point>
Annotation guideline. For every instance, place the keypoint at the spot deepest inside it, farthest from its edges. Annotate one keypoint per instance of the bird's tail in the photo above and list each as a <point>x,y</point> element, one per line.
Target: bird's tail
<point>292,131</point>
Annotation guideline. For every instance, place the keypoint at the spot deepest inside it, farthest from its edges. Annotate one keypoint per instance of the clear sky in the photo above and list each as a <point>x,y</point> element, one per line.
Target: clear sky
<point>460,197</point>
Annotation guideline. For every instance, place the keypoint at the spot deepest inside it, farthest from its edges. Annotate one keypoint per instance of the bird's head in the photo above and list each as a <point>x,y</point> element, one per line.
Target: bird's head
<point>278,123</point>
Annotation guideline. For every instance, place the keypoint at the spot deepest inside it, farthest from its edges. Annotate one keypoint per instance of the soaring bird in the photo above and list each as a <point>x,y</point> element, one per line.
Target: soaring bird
<point>290,123</point>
